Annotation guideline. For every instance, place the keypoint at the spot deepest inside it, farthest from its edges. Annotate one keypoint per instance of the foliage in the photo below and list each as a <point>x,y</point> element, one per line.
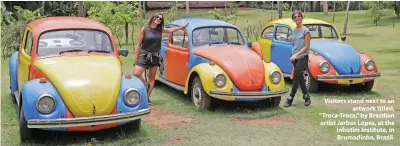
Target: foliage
<point>226,15</point>
<point>172,12</point>
<point>254,29</point>
<point>396,7</point>
<point>61,8</point>
<point>114,16</point>
<point>12,28</point>
<point>375,12</point>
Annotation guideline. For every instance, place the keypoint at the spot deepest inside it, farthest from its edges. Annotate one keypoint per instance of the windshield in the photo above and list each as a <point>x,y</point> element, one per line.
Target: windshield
<point>318,31</point>
<point>216,35</point>
<point>57,42</point>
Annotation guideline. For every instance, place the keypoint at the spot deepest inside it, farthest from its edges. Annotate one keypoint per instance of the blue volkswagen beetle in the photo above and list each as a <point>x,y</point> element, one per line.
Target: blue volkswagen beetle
<point>331,60</point>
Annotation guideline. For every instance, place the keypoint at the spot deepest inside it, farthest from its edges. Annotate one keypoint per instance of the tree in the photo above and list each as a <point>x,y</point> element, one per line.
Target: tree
<point>279,9</point>
<point>346,19</point>
<point>326,7</point>
<point>272,8</point>
<point>187,7</point>
<point>375,12</point>
<point>81,9</point>
<point>305,8</point>
<point>396,6</point>
<point>334,9</point>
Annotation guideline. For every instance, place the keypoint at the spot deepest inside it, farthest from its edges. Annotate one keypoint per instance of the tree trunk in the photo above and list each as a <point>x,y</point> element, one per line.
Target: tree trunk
<point>42,9</point>
<point>142,13</point>
<point>326,7</point>
<point>225,11</point>
<point>334,9</point>
<point>291,6</point>
<point>346,19</point>
<point>305,8</point>
<point>81,9</point>
<point>126,32</point>
<point>279,10</point>
<point>313,5</point>
<point>272,8</point>
<point>359,5</point>
<point>187,7</point>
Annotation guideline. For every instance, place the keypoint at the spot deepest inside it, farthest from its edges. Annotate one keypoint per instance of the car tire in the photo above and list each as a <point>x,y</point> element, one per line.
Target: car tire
<point>199,97</point>
<point>367,86</point>
<point>25,133</point>
<point>275,101</point>
<point>311,83</point>
<point>132,126</point>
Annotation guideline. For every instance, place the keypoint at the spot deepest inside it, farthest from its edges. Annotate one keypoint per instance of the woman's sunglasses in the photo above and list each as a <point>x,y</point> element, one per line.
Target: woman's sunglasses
<point>158,17</point>
<point>298,16</point>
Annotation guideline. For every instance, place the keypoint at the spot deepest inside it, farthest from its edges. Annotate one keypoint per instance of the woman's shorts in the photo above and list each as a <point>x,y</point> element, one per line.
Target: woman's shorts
<point>143,62</point>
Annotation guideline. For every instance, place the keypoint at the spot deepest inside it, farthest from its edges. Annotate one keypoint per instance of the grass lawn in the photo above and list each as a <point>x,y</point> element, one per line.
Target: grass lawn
<point>235,123</point>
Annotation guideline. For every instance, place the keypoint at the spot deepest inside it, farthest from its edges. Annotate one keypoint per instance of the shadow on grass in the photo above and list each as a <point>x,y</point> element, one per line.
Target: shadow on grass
<point>96,137</point>
<point>220,107</point>
<point>339,91</point>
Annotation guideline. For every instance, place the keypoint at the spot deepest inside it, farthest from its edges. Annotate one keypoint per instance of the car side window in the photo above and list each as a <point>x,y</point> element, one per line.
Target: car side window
<point>180,38</point>
<point>28,42</point>
<point>283,34</point>
<point>268,33</point>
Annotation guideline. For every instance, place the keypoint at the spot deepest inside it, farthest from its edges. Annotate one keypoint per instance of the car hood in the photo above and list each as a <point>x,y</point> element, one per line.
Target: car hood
<point>243,66</point>
<point>88,85</point>
<point>343,57</point>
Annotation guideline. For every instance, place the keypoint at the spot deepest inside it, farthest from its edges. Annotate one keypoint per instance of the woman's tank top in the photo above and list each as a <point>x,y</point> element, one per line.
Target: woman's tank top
<point>152,40</point>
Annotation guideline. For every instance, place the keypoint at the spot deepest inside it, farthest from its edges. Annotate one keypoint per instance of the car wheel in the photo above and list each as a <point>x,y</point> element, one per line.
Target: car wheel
<point>25,133</point>
<point>132,126</point>
<point>199,97</point>
<point>367,86</point>
<point>311,83</point>
<point>275,101</point>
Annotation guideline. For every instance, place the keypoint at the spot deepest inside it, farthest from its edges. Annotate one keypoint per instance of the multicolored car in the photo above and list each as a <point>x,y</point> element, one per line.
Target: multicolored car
<point>67,76</point>
<point>210,60</point>
<point>331,60</point>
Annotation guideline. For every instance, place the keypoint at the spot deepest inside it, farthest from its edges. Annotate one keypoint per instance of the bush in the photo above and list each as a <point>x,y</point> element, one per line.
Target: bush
<point>12,28</point>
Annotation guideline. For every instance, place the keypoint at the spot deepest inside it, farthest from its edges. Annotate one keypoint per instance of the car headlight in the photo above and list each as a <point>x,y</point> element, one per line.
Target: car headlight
<point>45,104</point>
<point>324,67</point>
<point>369,65</point>
<point>220,80</point>
<point>275,77</point>
<point>131,97</point>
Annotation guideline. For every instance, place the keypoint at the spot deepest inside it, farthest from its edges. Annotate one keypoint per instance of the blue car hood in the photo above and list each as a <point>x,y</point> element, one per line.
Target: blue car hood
<point>343,57</point>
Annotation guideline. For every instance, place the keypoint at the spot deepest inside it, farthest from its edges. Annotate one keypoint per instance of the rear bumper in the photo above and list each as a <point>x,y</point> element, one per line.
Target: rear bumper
<point>87,121</point>
<point>248,95</point>
<point>347,77</point>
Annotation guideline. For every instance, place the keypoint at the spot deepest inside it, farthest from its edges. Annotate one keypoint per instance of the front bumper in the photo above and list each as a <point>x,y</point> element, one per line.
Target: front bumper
<point>87,121</point>
<point>248,95</point>
<point>347,77</point>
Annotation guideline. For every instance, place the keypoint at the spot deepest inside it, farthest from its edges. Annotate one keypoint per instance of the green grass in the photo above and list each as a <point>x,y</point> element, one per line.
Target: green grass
<point>219,127</point>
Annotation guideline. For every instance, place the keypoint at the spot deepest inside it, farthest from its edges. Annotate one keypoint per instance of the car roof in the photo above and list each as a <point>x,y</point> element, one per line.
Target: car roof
<point>290,22</point>
<point>199,22</point>
<point>65,22</point>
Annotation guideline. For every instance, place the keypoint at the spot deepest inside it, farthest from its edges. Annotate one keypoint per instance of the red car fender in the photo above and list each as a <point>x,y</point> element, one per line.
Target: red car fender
<point>364,57</point>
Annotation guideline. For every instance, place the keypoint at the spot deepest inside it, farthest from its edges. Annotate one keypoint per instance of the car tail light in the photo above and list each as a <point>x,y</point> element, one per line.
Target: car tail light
<point>35,73</point>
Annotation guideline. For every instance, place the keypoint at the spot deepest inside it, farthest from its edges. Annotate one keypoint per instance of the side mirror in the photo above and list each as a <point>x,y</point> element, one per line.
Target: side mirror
<point>249,44</point>
<point>123,52</point>
<point>343,38</point>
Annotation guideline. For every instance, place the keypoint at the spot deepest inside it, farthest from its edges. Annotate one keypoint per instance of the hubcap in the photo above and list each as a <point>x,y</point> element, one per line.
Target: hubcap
<point>196,94</point>
<point>307,79</point>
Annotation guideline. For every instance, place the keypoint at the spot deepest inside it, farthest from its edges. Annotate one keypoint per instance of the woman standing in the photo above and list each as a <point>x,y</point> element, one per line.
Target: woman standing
<point>301,40</point>
<point>148,50</point>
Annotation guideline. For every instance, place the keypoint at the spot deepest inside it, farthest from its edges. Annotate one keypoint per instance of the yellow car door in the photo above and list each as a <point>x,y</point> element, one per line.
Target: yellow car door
<point>265,41</point>
<point>24,58</point>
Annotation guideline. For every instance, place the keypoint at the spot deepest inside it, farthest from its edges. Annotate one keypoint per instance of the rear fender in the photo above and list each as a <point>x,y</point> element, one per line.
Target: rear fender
<point>13,66</point>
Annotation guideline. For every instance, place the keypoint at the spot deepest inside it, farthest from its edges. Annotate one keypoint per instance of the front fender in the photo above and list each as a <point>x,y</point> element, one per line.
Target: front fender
<point>13,65</point>
<point>269,67</point>
<point>131,81</point>
<point>206,72</point>
<point>30,93</point>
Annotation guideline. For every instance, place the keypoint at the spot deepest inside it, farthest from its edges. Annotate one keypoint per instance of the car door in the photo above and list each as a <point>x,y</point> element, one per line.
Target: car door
<point>177,57</point>
<point>265,41</point>
<point>24,58</point>
<point>281,48</point>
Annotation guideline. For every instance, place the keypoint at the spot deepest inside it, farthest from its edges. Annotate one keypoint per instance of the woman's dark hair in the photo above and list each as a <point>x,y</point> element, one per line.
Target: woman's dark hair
<point>298,13</point>
<point>159,26</point>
